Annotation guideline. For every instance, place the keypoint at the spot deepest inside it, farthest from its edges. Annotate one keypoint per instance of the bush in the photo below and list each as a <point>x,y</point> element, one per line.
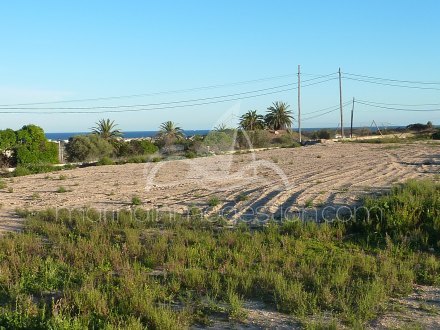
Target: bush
<point>106,161</point>
<point>33,148</point>
<point>321,134</point>
<point>409,214</point>
<point>136,148</point>
<point>419,127</point>
<point>219,141</point>
<point>91,147</point>
<point>8,139</point>
<point>254,139</point>
<point>62,190</point>
<point>22,171</point>
<point>213,201</point>
<point>436,135</point>
<point>284,140</point>
<point>136,200</point>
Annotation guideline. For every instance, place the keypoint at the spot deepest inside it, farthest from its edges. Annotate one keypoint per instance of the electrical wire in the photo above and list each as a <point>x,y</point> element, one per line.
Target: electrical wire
<point>333,109</point>
<point>320,115</point>
<point>163,92</point>
<point>396,109</point>
<point>343,105</point>
<point>388,84</point>
<point>394,80</point>
<point>401,104</point>
<point>166,107</point>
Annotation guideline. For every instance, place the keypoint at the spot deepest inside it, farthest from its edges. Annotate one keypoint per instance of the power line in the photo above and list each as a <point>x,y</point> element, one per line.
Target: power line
<point>149,104</point>
<point>332,109</point>
<point>166,107</point>
<point>389,84</point>
<point>404,105</point>
<point>163,92</point>
<point>322,114</point>
<point>396,109</point>
<point>395,80</point>
<point>324,109</point>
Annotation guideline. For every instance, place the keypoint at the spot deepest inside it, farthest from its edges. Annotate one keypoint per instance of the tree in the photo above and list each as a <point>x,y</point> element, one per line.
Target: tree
<point>251,121</point>
<point>33,148</point>
<point>169,133</point>
<point>106,129</point>
<point>7,139</point>
<point>91,147</point>
<point>278,116</point>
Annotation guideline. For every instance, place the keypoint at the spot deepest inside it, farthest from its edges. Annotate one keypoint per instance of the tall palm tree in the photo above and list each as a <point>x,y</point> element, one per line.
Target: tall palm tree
<point>170,133</point>
<point>106,129</point>
<point>251,121</point>
<point>278,116</point>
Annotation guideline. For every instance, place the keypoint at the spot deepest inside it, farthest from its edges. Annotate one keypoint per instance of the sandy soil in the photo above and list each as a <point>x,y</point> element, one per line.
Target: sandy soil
<point>275,182</point>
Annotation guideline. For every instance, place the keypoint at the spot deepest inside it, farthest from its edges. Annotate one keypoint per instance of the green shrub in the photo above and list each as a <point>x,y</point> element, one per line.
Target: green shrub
<point>8,139</point>
<point>62,190</point>
<point>284,140</point>
<point>190,154</point>
<point>321,134</point>
<point>136,200</point>
<point>219,141</point>
<point>436,135</point>
<point>3,184</point>
<point>32,147</point>
<point>136,148</point>
<point>254,139</point>
<point>22,171</point>
<point>105,161</point>
<point>409,214</point>
<point>91,147</point>
<point>241,198</point>
<point>213,201</point>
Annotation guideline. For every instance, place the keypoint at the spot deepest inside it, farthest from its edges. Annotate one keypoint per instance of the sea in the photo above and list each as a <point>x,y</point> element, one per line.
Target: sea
<point>144,134</point>
<point>126,135</point>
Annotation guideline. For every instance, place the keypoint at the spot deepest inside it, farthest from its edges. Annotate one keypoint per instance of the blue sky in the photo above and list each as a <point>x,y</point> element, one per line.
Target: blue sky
<point>60,50</point>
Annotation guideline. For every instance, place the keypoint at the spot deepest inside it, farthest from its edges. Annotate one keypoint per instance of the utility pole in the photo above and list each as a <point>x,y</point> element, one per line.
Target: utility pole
<point>299,102</point>
<point>351,126</point>
<point>340,104</point>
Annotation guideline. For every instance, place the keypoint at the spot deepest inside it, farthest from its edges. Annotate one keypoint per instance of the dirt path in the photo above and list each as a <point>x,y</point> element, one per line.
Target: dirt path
<point>268,182</point>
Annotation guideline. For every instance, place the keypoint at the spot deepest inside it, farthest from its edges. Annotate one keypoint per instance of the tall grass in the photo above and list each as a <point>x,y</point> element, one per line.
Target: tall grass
<point>146,269</point>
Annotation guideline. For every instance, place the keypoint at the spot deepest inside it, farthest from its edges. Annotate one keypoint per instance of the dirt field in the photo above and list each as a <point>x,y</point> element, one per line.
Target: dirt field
<point>275,182</point>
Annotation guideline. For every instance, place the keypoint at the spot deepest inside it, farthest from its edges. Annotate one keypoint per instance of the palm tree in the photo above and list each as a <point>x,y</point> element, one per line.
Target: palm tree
<point>169,132</point>
<point>278,116</point>
<point>106,129</point>
<point>220,127</point>
<point>251,121</point>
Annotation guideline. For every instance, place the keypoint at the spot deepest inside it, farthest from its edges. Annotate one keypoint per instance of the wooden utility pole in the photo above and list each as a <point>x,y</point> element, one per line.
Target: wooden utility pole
<point>299,102</point>
<point>351,126</point>
<point>340,103</point>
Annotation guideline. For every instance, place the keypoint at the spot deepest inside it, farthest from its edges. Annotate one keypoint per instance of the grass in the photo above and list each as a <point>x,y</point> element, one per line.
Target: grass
<point>35,196</point>
<point>241,198</point>
<point>3,184</point>
<point>61,190</point>
<point>85,269</point>
<point>213,201</point>
<point>136,201</point>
